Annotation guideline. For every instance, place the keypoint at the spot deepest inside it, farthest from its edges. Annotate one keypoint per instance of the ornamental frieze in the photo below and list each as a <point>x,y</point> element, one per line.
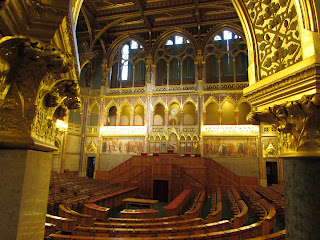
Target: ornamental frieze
<point>277,34</point>
<point>298,124</point>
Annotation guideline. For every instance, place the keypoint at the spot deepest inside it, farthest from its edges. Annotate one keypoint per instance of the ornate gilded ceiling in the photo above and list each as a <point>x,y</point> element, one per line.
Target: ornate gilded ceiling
<point>149,18</point>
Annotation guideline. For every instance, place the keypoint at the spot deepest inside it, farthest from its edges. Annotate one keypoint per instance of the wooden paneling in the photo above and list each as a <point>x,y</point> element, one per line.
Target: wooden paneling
<point>196,173</point>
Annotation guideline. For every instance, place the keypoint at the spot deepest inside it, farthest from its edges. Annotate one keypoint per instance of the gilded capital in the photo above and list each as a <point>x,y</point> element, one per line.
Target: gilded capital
<point>298,124</point>
<point>31,94</point>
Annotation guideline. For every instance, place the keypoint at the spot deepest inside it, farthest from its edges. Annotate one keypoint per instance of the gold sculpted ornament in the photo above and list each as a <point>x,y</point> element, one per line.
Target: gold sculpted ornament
<point>298,124</point>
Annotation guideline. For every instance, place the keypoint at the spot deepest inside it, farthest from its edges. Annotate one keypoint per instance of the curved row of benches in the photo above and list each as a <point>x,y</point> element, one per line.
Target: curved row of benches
<point>161,227</point>
<point>238,208</point>
<point>196,207</point>
<point>252,231</point>
<point>274,236</point>
<point>268,210</point>
<point>216,209</point>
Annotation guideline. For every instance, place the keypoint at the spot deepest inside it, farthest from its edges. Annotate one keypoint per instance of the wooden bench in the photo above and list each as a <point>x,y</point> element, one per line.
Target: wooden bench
<point>128,220</point>
<point>178,204</point>
<point>196,208</point>
<point>62,224</point>
<point>49,229</point>
<point>216,210</point>
<point>139,213</point>
<point>96,211</point>
<point>240,219</point>
<point>195,232</point>
<point>114,199</point>
<point>81,219</point>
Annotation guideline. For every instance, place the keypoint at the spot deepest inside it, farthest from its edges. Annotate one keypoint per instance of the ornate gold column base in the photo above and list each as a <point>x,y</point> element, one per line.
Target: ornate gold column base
<point>25,178</point>
<point>302,205</point>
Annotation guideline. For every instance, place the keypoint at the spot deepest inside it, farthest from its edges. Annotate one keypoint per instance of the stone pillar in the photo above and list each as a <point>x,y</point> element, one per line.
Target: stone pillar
<point>302,205</point>
<point>131,123</point>
<point>25,178</point>
<point>181,118</point>
<point>63,151</point>
<point>262,163</point>
<point>31,102</point>
<point>298,124</point>
<point>118,118</point>
<point>166,117</point>
<point>82,164</point>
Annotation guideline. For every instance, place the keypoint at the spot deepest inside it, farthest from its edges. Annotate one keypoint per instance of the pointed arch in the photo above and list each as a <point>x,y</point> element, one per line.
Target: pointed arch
<point>307,12</point>
<point>190,100</point>
<point>94,107</point>
<point>211,99</point>
<point>159,101</point>
<point>110,104</point>
<point>171,32</point>
<point>120,40</point>
<point>248,29</point>
<point>174,100</point>
<point>94,113</point>
<point>125,103</point>
<point>139,102</point>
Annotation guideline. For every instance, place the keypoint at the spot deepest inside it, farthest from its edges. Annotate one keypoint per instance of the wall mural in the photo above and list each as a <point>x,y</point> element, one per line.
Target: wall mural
<point>123,145</point>
<point>226,147</point>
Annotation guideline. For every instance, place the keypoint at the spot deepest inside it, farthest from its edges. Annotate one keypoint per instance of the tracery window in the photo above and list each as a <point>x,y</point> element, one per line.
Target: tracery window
<point>226,58</point>
<point>128,68</point>
<point>175,62</point>
<point>74,116</point>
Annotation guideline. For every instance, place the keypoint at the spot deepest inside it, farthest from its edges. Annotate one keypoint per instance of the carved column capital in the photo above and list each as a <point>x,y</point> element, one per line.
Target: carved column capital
<point>31,95</point>
<point>298,124</point>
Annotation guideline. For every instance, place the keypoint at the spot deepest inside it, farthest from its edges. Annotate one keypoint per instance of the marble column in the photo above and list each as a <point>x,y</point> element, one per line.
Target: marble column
<point>298,124</point>
<point>302,197</point>
<point>25,178</point>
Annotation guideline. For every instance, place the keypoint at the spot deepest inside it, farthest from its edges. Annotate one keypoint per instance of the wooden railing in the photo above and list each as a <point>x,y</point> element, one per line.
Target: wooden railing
<point>178,204</point>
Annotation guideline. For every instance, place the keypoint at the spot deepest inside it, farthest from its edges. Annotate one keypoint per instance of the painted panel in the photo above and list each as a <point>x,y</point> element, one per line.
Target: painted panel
<point>230,147</point>
<point>123,145</point>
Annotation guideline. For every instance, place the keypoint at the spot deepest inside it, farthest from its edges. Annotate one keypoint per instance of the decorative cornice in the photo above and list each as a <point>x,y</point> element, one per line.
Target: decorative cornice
<point>298,82</point>
<point>298,124</point>
<point>37,18</point>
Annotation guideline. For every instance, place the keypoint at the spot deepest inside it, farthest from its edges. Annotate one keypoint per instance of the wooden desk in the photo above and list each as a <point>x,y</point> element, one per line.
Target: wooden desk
<point>139,202</point>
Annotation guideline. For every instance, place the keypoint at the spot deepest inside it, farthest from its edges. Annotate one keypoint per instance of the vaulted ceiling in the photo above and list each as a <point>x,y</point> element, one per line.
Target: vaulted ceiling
<point>109,19</point>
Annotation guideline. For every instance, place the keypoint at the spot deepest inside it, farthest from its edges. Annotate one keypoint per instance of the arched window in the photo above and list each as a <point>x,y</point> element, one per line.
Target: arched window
<point>175,62</point>
<point>94,115</point>
<point>226,58</point>
<point>128,66</point>
<point>212,69</point>
<point>161,78</point>
<point>74,116</point>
